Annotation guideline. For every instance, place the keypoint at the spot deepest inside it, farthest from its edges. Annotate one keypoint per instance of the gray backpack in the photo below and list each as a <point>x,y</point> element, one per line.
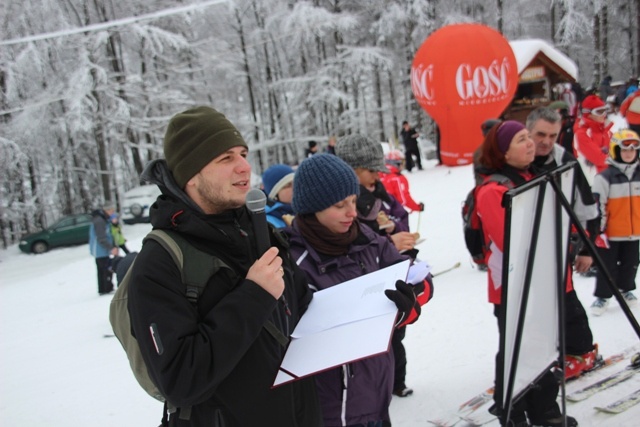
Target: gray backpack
<point>196,267</point>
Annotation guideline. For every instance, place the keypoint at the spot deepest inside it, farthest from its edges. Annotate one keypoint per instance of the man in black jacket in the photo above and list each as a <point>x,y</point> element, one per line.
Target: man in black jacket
<point>544,124</point>
<point>215,361</point>
<point>411,149</point>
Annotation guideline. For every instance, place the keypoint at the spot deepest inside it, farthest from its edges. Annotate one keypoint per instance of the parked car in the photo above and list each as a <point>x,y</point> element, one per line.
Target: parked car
<point>136,203</point>
<point>70,230</point>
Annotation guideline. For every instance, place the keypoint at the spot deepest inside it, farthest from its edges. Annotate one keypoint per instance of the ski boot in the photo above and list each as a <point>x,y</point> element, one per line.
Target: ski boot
<point>574,366</point>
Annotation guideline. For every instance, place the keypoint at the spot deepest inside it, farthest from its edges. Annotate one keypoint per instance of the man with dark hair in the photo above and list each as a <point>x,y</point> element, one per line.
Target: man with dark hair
<point>311,149</point>
<point>411,149</point>
<point>215,359</point>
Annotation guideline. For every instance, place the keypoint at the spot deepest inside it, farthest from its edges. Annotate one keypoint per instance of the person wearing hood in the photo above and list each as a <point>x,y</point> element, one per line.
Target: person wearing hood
<point>277,183</point>
<point>215,360</point>
<point>508,150</point>
<point>332,246</point>
<point>617,190</point>
<point>591,137</point>
<point>102,246</point>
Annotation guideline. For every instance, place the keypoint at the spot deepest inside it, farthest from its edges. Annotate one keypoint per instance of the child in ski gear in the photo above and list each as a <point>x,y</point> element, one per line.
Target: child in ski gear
<point>397,184</point>
<point>544,125</point>
<point>101,245</point>
<point>332,246</point>
<point>116,232</point>
<point>591,137</point>
<point>617,189</point>
<point>278,185</point>
<point>509,151</point>
<point>215,361</point>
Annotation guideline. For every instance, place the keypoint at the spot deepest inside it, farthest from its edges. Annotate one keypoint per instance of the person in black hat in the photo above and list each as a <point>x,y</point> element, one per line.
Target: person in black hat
<point>216,359</point>
<point>411,149</point>
<point>312,149</point>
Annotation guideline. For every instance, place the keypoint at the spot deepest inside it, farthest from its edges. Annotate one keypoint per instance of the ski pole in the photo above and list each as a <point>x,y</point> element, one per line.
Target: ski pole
<point>456,265</point>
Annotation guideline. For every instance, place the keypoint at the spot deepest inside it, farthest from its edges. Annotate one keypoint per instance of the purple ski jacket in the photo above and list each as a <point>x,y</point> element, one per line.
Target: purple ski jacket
<point>358,392</point>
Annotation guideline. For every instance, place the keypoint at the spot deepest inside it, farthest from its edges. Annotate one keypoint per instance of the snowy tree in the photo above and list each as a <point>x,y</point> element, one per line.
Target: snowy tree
<point>88,86</point>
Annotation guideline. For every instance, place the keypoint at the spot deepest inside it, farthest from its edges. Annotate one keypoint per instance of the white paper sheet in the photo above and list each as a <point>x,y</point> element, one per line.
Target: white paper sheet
<point>417,272</point>
<point>347,322</point>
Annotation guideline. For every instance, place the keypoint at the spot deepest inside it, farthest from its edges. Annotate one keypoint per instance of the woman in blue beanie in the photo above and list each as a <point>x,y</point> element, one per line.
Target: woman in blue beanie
<point>277,182</point>
<point>332,246</point>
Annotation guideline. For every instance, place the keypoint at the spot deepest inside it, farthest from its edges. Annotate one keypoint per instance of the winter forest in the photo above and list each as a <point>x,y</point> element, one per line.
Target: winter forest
<point>88,86</point>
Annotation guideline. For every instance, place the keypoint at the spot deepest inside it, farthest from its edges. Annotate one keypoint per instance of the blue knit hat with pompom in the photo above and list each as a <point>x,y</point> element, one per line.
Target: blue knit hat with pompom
<point>322,181</point>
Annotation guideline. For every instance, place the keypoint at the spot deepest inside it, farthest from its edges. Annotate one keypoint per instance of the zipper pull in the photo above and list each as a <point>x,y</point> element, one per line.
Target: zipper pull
<point>286,306</point>
<point>240,230</point>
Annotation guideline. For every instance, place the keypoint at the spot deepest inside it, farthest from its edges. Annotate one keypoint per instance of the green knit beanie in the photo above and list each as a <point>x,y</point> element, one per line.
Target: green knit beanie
<point>194,138</point>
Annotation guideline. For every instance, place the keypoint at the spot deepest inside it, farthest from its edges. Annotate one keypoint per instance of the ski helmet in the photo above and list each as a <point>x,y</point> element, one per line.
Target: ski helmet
<point>623,139</point>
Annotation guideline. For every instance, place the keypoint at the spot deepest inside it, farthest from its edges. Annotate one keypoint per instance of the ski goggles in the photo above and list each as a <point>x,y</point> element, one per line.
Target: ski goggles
<point>600,111</point>
<point>626,139</point>
<point>629,144</point>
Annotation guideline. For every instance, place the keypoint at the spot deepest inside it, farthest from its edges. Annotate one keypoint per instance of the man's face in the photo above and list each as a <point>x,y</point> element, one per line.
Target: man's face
<point>544,135</point>
<point>223,183</point>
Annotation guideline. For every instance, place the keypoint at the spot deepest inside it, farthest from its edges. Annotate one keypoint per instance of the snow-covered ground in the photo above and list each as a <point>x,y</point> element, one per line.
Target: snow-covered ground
<point>58,369</point>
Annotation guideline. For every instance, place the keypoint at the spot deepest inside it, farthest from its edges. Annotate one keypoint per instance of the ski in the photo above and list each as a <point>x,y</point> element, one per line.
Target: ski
<point>622,404</point>
<point>453,267</point>
<point>469,410</point>
<point>480,416</point>
<point>607,382</point>
<point>465,409</point>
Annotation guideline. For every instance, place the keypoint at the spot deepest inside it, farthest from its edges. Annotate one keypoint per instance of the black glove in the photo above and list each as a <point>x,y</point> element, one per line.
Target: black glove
<point>421,206</point>
<point>405,300</point>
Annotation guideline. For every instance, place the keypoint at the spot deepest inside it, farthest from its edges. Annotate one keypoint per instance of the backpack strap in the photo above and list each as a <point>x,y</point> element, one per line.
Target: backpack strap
<point>276,333</point>
<point>500,179</point>
<point>181,251</point>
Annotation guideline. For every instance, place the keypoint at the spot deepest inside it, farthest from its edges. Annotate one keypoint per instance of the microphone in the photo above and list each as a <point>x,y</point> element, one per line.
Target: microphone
<point>256,201</point>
